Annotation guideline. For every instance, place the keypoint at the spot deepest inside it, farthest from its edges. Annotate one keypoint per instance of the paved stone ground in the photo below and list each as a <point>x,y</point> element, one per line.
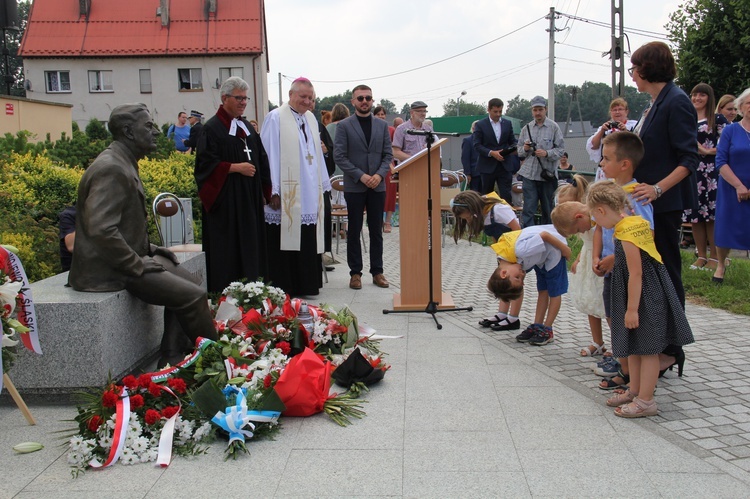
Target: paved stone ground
<point>709,405</point>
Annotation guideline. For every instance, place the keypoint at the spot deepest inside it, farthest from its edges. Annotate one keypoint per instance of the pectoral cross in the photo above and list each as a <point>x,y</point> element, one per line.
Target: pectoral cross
<point>309,158</point>
<point>247,151</point>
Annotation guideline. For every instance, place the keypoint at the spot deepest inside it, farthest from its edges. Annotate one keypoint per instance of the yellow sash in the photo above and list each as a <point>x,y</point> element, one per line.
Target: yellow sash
<point>494,197</point>
<point>629,188</point>
<point>505,247</point>
<point>637,230</point>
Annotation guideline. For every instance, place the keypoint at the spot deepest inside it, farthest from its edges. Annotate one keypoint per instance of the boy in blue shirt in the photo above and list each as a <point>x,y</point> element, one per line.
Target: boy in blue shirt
<point>542,248</point>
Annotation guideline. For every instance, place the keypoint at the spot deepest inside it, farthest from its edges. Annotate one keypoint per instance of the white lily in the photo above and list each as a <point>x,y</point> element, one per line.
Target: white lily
<point>9,292</point>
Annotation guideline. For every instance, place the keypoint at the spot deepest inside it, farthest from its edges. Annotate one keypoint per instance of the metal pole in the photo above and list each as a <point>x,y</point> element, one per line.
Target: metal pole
<point>617,54</point>
<point>280,101</point>
<point>551,83</point>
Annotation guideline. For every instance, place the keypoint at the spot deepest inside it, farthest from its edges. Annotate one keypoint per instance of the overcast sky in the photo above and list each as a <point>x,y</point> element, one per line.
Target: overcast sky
<point>340,43</point>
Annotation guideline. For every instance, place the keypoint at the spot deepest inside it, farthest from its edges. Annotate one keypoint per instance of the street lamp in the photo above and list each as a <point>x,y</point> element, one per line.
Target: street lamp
<point>458,101</point>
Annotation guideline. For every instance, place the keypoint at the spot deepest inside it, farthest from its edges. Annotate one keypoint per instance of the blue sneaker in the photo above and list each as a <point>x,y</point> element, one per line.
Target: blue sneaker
<point>608,369</point>
<point>528,333</point>
<point>543,336</point>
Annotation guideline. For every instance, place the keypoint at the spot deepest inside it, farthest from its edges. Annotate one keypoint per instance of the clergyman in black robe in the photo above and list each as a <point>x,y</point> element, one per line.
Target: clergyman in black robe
<point>231,169</point>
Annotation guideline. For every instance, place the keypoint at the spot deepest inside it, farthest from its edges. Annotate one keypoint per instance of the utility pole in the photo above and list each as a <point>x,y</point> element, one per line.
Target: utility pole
<point>551,83</point>
<point>617,54</point>
<point>280,101</point>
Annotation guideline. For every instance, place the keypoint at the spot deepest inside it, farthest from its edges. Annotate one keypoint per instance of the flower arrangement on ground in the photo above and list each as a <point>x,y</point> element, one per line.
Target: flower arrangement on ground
<point>275,356</point>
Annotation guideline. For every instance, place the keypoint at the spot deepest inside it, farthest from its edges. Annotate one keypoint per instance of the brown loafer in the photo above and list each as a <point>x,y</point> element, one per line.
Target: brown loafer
<point>355,282</point>
<point>380,281</point>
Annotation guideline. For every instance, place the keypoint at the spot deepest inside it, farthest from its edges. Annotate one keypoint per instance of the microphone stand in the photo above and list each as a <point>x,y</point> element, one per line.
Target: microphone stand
<point>432,305</point>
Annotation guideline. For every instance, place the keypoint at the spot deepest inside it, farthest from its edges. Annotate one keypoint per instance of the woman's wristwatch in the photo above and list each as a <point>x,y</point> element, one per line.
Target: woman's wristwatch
<point>657,190</point>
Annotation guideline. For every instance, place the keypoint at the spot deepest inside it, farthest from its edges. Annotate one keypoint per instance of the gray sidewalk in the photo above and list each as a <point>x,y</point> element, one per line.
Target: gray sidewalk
<point>464,412</point>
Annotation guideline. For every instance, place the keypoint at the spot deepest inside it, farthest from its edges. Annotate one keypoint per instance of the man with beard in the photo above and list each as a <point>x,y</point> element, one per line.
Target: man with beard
<point>112,251</point>
<point>295,214</point>
<point>363,152</point>
<point>231,169</point>
<point>405,145</point>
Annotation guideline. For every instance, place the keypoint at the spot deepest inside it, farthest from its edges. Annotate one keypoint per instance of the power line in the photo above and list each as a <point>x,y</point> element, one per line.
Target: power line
<point>583,62</point>
<point>577,47</point>
<point>602,24</point>
<point>432,63</point>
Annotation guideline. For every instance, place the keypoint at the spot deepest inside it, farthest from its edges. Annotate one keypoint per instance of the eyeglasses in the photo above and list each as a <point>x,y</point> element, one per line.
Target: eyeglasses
<point>631,71</point>
<point>239,98</point>
<point>361,98</point>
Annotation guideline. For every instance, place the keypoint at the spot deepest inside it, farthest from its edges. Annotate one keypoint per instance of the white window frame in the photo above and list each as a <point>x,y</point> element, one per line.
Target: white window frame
<point>226,73</point>
<point>100,83</point>
<point>57,75</point>
<point>144,79</point>
<point>193,77</point>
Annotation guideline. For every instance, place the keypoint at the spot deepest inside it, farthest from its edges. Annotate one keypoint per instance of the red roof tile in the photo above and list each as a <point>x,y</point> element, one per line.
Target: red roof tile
<point>131,28</point>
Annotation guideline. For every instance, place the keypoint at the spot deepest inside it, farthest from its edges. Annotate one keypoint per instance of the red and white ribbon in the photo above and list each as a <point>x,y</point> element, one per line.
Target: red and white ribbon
<point>25,312</point>
<point>122,422</point>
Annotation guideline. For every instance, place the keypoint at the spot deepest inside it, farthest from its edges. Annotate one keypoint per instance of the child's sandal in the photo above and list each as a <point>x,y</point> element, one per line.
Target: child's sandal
<point>621,397</point>
<point>598,350</point>
<point>637,409</point>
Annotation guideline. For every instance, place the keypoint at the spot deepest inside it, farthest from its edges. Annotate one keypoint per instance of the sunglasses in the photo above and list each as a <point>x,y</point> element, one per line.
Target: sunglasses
<point>361,98</point>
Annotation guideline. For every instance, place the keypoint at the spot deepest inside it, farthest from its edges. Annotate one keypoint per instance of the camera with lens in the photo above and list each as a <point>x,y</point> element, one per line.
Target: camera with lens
<point>614,125</point>
<point>532,145</point>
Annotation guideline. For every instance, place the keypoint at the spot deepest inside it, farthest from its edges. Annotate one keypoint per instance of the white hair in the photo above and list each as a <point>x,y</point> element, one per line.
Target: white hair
<point>740,100</point>
<point>232,83</point>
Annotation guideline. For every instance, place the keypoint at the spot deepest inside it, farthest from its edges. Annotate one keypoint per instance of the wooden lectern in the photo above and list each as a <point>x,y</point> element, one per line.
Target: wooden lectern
<point>413,232</point>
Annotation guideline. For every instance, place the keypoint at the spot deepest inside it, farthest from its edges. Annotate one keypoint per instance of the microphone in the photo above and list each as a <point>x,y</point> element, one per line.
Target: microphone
<point>414,131</point>
<point>427,133</point>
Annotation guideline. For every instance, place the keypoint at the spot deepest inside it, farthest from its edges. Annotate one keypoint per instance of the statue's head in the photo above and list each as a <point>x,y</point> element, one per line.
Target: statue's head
<point>132,125</point>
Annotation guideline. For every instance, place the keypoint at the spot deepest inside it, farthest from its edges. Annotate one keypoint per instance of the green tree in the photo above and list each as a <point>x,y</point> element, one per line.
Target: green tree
<point>327,103</point>
<point>406,109</point>
<point>712,44</point>
<point>13,39</point>
<point>95,130</point>
<point>271,106</point>
<point>519,108</point>
<point>390,107</point>
<point>464,108</point>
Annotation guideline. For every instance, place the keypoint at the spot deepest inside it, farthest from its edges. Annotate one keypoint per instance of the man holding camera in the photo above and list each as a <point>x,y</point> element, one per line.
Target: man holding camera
<point>542,144</point>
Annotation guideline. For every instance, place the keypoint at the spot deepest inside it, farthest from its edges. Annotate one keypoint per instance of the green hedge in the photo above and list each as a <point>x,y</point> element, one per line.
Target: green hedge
<point>37,184</point>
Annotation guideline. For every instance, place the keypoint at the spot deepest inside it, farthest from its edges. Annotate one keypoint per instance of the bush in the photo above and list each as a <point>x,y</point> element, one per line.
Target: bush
<point>40,180</point>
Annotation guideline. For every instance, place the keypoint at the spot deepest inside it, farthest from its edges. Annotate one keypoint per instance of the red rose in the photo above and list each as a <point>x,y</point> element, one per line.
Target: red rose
<point>130,382</point>
<point>154,389</point>
<point>110,398</point>
<point>284,346</point>
<point>152,416</point>
<point>267,381</point>
<point>170,411</point>
<point>136,401</point>
<point>144,380</point>
<point>177,384</point>
<point>94,423</point>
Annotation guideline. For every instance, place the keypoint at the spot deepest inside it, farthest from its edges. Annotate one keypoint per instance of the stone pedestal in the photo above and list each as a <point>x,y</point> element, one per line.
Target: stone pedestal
<point>87,337</point>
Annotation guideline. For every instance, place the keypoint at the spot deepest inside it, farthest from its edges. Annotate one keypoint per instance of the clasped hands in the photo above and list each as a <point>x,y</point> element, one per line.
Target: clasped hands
<point>151,265</point>
<point>371,181</point>
<point>247,169</point>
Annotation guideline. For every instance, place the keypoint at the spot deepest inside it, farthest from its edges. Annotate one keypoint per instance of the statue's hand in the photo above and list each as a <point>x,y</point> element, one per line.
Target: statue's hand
<point>151,265</point>
<point>166,253</point>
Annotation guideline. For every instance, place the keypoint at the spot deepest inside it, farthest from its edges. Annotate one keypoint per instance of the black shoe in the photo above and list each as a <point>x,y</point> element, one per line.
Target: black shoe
<point>543,336</point>
<point>528,333</point>
<point>506,325</point>
<point>493,321</point>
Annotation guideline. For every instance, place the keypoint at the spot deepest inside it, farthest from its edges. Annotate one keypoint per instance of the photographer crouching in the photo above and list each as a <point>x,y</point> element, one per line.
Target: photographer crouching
<point>542,144</point>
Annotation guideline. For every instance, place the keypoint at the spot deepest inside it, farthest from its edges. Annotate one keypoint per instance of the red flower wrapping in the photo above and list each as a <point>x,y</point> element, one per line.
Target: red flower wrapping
<point>109,398</point>
<point>267,381</point>
<point>130,382</point>
<point>152,416</point>
<point>170,411</point>
<point>136,401</point>
<point>177,384</point>
<point>94,423</point>
<point>304,384</point>
<point>252,316</point>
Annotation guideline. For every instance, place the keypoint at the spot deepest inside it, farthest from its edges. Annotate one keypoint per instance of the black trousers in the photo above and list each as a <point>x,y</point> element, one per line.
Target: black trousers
<point>504,181</point>
<point>356,203</point>
<point>667,240</point>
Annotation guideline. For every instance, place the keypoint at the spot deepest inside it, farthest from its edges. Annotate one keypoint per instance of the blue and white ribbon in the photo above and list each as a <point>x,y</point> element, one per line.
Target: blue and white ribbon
<point>237,417</point>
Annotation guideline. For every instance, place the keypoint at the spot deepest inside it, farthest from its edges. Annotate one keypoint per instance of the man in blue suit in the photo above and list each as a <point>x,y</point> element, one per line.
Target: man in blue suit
<point>469,158</point>
<point>492,136</point>
<point>362,149</point>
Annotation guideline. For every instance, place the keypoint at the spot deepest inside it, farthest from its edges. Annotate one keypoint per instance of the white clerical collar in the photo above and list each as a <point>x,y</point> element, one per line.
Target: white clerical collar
<point>236,122</point>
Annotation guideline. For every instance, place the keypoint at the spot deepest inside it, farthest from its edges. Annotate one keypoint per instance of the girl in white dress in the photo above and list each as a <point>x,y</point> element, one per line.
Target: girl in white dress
<point>571,217</point>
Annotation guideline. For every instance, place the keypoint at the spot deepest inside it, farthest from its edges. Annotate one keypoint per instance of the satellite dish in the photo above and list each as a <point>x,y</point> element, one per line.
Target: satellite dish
<point>27,84</point>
